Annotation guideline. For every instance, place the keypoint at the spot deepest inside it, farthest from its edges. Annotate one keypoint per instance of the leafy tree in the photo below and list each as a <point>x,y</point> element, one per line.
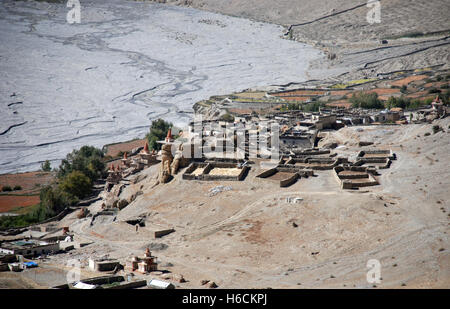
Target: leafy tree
<point>77,184</point>
<point>312,107</point>
<point>46,167</point>
<point>158,131</point>
<point>366,100</point>
<point>227,117</point>
<point>88,160</point>
<point>434,90</point>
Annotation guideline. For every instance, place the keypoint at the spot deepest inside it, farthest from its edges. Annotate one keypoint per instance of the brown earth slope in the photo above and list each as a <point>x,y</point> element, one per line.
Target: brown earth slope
<point>251,237</point>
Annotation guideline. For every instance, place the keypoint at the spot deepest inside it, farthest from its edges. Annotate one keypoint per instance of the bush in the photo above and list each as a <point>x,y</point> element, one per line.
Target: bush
<point>312,107</point>
<point>76,184</point>
<point>227,117</point>
<point>158,131</point>
<point>88,160</point>
<point>293,106</point>
<point>404,103</point>
<point>403,89</point>
<point>6,189</point>
<point>434,90</point>
<point>45,166</point>
<point>366,100</point>
<point>436,129</point>
<point>54,200</point>
<point>17,188</point>
<point>427,134</point>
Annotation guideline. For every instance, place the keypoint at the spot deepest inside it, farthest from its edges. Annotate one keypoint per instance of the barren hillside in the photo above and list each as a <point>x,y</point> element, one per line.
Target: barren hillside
<point>250,236</point>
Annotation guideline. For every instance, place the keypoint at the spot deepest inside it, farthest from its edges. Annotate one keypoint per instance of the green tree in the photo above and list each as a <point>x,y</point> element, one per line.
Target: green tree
<point>366,100</point>
<point>77,184</point>
<point>227,117</point>
<point>88,160</point>
<point>46,167</point>
<point>158,131</point>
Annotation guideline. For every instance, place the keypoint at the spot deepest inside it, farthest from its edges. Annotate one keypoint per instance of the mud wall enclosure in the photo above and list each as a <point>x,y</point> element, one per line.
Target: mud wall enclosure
<point>215,171</point>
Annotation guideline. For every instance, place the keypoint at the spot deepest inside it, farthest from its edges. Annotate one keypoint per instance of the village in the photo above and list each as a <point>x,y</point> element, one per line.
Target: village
<point>260,141</point>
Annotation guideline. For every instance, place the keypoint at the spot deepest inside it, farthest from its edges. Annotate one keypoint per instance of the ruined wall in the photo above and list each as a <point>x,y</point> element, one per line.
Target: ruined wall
<point>289,181</point>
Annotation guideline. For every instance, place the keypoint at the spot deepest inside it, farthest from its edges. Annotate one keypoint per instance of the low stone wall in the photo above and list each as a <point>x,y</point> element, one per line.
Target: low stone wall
<point>330,162</point>
<point>386,153</point>
<point>267,173</point>
<point>362,161</point>
<point>346,181</point>
<point>289,181</point>
<point>209,166</point>
<point>297,173</point>
<point>303,172</point>
<point>311,152</point>
<point>161,233</point>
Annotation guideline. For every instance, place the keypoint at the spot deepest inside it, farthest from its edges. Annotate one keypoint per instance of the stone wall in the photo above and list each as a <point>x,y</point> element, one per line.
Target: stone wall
<point>209,166</point>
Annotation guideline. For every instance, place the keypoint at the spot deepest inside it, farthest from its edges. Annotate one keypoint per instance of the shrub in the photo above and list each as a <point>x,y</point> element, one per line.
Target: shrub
<point>227,117</point>
<point>403,102</point>
<point>88,160</point>
<point>427,134</point>
<point>436,129</point>
<point>45,166</point>
<point>17,188</point>
<point>6,189</point>
<point>403,89</point>
<point>366,100</point>
<point>76,184</point>
<point>158,131</point>
<point>312,107</point>
<point>434,90</point>
<point>54,200</point>
<point>293,106</point>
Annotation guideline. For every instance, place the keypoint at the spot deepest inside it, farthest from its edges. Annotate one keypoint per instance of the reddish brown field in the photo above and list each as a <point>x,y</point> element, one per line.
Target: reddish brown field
<point>113,150</point>
<point>384,91</point>
<point>300,92</point>
<point>30,181</point>
<point>435,84</point>
<point>296,99</point>
<point>417,94</point>
<point>340,92</point>
<point>8,202</point>
<point>407,80</point>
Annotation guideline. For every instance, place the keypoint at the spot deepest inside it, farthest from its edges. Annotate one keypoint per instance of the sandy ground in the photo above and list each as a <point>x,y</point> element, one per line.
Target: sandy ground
<point>103,80</point>
<point>251,236</point>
